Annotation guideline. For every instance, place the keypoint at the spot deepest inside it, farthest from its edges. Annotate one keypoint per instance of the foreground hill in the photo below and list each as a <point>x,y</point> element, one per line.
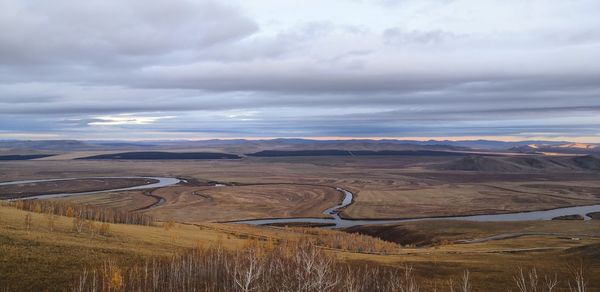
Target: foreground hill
<point>45,253</point>
<point>36,255</point>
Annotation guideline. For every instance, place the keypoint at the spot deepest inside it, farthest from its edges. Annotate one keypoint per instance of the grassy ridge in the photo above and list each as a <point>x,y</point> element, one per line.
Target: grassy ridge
<point>33,258</point>
<point>36,259</point>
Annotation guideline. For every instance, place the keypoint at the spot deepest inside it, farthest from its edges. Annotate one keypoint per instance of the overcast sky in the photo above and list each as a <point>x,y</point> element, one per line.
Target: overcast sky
<point>155,69</point>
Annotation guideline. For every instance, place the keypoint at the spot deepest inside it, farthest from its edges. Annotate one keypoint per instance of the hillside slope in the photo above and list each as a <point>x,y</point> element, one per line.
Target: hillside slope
<point>522,163</point>
<point>34,259</point>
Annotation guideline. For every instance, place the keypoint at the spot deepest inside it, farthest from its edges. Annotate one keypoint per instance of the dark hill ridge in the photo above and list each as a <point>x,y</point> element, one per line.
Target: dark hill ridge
<point>522,163</point>
<point>479,163</point>
<point>23,157</point>
<point>350,153</point>
<point>239,146</point>
<point>587,162</point>
<point>164,156</point>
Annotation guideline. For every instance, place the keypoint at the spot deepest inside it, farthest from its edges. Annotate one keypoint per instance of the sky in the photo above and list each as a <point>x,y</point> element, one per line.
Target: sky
<point>407,69</point>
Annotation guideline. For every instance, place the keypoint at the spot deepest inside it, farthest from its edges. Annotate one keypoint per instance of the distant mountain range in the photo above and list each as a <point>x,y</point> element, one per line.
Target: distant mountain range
<point>241,146</point>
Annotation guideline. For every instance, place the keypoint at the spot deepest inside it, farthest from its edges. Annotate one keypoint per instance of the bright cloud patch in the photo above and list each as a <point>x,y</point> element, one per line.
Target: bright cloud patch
<point>125,120</point>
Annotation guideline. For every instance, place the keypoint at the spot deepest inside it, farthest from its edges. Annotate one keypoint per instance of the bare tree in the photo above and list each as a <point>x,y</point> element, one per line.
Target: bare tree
<point>550,283</point>
<point>530,281</point>
<point>246,270</point>
<point>465,282</point>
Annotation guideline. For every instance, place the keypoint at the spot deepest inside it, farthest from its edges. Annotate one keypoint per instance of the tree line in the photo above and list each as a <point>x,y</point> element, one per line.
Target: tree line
<point>83,212</point>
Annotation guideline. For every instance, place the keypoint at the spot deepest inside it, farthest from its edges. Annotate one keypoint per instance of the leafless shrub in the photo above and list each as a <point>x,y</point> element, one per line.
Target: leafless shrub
<point>28,221</point>
<point>51,219</point>
<point>78,224</point>
<point>105,229</point>
<point>465,282</point>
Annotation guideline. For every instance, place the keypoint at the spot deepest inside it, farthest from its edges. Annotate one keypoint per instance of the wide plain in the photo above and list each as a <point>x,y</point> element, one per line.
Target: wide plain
<point>390,187</point>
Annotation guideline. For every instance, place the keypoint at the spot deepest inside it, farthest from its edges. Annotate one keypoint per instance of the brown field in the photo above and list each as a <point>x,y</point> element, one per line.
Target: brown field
<point>207,203</point>
<point>133,200</point>
<point>197,204</point>
<point>470,198</point>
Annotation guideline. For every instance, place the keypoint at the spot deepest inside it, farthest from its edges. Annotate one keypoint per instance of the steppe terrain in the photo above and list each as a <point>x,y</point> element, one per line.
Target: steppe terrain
<point>215,191</point>
<point>390,187</point>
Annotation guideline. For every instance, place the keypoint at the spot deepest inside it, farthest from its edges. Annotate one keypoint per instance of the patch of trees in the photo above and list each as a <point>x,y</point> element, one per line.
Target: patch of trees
<point>348,241</point>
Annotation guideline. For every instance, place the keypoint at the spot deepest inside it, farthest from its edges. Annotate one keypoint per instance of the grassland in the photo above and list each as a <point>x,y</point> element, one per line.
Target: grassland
<point>37,258</point>
<point>290,187</point>
<point>388,187</point>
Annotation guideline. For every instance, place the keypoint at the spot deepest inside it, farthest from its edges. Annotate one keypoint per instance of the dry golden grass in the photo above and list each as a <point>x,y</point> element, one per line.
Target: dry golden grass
<point>40,259</point>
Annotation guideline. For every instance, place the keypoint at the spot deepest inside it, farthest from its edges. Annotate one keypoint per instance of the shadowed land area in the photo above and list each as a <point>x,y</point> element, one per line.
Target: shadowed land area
<point>281,153</point>
<point>23,157</point>
<point>523,164</point>
<point>163,156</point>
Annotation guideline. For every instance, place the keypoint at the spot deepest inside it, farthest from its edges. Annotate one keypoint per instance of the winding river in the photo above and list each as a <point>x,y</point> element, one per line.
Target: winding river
<point>338,222</point>
<point>335,221</point>
<point>162,182</point>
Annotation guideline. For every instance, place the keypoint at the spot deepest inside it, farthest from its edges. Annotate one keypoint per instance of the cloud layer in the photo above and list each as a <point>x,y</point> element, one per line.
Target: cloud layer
<point>117,69</point>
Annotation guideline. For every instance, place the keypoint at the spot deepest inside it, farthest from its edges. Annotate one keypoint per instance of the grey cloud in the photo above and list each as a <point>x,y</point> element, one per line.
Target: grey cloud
<point>397,36</point>
<point>65,64</point>
<point>110,31</point>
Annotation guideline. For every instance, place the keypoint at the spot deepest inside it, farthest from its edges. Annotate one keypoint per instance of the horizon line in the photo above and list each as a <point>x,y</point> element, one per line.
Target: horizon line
<point>507,139</point>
